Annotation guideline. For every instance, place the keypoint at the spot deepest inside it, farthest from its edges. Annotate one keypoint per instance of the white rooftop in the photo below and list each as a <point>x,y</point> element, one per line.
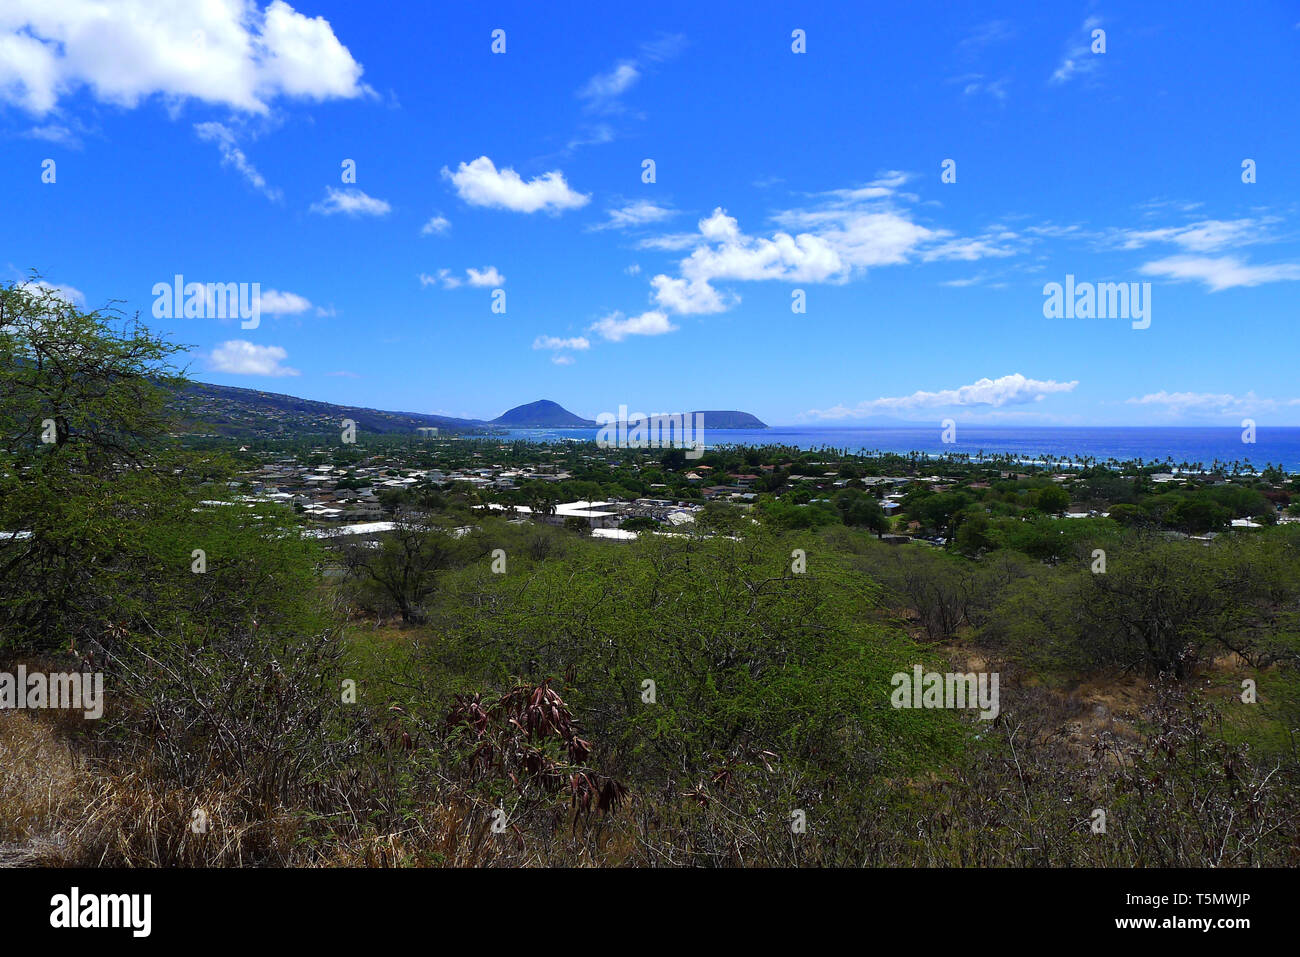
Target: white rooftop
<point>361,528</point>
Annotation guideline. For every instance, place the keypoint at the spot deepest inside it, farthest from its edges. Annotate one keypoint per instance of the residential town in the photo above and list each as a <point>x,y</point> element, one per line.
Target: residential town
<point>616,494</point>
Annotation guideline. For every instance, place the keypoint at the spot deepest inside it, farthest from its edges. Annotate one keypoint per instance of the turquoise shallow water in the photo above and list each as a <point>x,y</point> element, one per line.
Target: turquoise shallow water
<point>1277,446</point>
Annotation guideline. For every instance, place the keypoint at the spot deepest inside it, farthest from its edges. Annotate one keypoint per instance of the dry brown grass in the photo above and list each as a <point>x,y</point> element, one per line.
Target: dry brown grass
<point>39,779</point>
<point>458,833</point>
<point>130,820</point>
<point>56,809</point>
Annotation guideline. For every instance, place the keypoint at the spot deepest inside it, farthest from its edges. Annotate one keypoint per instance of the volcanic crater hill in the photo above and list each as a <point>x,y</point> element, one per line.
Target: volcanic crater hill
<point>545,414</point>
<point>542,414</point>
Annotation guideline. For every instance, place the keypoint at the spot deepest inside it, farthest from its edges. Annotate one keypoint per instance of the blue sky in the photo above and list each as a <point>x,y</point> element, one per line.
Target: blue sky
<point>208,141</point>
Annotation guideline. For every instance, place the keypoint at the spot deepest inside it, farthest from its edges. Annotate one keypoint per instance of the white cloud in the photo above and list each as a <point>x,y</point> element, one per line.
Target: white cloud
<point>596,134</point>
<point>986,34</point>
<point>1210,403</point>
<point>442,276</point>
<point>975,83</point>
<point>70,294</point>
<point>602,90</point>
<point>1158,205</point>
<point>969,250</point>
<point>54,133</point>
<point>1202,237</point>
<point>728,254</point>
<point>861,240</point>
<point>834,240</point>
<point>241,357</point>
<point>232,155</point>
<point>1078,59</point>
<point>639,213</point>
<point>1013,389</point>
<point>554,342</point>
<point>1219,273</point>
<point>601,93</point>
<point>304,58</point>
<point>229,54</point>
<point>616,327</point>
<point>557,345</point>
<point>488,276</point>
<point>690,297</point>
<point>1053,231</point>
<point>29,70</point>
<point>663,47</point>
<point>438,224</point>
<point>272,302</point>
<point>351,202</point>
<point>669,242</point>
<point>480,183</point>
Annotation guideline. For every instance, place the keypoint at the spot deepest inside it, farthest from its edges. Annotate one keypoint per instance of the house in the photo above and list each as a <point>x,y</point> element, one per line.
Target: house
<point>592,512</point>
<point>721,491</point>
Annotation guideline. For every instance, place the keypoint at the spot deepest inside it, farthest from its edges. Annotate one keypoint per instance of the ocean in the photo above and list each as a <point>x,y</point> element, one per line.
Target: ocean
<point>1272,446</point>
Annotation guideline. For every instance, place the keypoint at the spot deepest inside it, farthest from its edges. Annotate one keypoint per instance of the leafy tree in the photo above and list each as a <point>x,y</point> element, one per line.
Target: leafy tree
<point>1052,499</point>
<point>973,535</point>
<point>860,510</point>
<point>404,568</point>
<point>939,511</point>
<point>83,423</point>
<point>1126,514</point>
<point>673,459</point>
<point>1198,515</point>
<point>720,517</point>
<point>782,514</point>
<point>640,523</point>
<point>119,548</point>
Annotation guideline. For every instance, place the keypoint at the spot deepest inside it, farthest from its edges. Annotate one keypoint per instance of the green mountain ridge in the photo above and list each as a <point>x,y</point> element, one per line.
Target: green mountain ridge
<point>237,412</point>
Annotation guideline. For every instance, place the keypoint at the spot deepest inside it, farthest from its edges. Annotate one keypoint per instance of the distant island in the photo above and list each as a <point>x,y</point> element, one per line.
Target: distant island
<point>245,413</point>
<point>730,420</point>
<point>545,414</point>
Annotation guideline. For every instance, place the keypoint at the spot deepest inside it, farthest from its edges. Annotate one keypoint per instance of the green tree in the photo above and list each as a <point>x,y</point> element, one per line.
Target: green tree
<point>83,424</point>
<point>1052,500</point>
<point>117,547</point>
<point>860,510</point>
<point>973,536</point>
<point>403,569</point>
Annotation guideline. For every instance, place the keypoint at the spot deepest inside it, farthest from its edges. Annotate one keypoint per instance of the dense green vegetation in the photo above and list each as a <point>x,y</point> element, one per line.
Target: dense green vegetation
<point>471,690</point>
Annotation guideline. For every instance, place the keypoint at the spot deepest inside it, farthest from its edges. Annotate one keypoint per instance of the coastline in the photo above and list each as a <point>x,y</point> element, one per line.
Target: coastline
<point>1183,448</point>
